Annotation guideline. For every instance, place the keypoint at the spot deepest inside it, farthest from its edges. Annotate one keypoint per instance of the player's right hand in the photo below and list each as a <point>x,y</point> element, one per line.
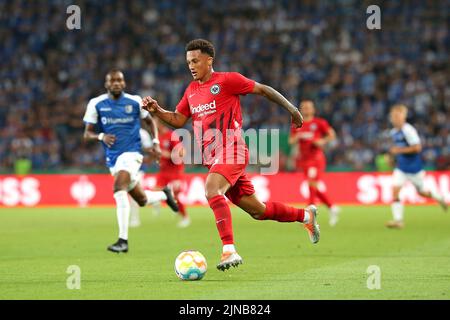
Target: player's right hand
<point>297,119</point>
<point>150,104</point>
<point>109,140</point>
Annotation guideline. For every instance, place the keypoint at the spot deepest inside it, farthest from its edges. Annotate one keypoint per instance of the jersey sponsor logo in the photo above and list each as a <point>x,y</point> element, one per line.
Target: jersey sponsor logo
<point>204,107</point>
<point>105,109</point>
<point>307,135</point>
<point>215,89</point>
<point>106,120</point>
<point>128,108</point>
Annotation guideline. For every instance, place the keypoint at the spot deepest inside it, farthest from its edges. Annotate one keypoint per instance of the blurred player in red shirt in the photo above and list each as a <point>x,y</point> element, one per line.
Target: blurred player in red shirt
<point>308,142</point>
<point>212,101</point>
<point>170,173</point>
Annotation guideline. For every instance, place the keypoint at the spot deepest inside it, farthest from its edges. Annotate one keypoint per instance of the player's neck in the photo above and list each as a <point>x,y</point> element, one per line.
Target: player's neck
<point>306,119</point>
<point>399,126</point>
<point>207,77</point>
<point>113,97</point>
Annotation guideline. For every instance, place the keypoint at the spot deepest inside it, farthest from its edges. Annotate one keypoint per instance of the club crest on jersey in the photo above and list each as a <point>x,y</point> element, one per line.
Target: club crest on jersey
<point>128,108</point>
<point>313,127</point>
<point>215,89</point>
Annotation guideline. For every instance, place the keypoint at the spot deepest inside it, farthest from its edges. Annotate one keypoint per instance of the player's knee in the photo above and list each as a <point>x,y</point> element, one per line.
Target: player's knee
<point>423,193</point>
<point>118,186</point>
<point>257,215</point>
<point>211,192</point>
<point>396,193</point>
<point>141,201</point>
<point>256,211</point>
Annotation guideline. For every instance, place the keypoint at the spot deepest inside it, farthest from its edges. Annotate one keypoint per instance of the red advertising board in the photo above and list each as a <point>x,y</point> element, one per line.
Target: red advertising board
<point>96,189</point>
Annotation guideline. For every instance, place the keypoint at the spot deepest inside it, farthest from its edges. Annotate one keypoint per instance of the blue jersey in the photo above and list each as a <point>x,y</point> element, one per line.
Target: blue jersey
<point>405,137</point>
<point>122,118</point>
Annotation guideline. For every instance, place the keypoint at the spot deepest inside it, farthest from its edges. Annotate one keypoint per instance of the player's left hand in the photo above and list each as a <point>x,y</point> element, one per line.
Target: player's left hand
<point>297,119</point>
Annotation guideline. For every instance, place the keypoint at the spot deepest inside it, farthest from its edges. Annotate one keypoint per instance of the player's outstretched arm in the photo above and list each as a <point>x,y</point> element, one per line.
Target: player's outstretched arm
<point>174,119</point>
<point>330,136</point>
<point>273,95</point>
<point>91,135</point>
<point>406,150</point>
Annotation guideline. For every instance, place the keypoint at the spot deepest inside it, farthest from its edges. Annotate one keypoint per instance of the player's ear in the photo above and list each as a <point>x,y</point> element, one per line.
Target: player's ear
<point>210,61</point>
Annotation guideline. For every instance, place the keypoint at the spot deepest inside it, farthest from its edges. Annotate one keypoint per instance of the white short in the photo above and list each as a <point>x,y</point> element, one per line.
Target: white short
<point>417,179</point>
<point>130,162</point>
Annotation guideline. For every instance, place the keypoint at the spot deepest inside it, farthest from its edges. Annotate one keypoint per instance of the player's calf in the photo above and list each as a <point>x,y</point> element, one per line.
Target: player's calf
<point>436,196</point>
<point>280,212</point>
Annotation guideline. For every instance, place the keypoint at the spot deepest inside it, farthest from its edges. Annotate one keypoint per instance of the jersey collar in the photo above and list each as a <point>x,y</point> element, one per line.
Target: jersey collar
<point>115,100</point>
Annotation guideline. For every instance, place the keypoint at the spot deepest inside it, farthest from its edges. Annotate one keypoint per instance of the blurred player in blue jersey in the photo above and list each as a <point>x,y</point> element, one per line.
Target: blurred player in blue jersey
<point>406,150</point>
<point>118,117</point>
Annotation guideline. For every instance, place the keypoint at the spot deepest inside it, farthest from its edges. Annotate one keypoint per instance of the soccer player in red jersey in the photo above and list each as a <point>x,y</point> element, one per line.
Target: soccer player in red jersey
<point>212,101</point>
<point>171,173</point>
<point>310,140</point>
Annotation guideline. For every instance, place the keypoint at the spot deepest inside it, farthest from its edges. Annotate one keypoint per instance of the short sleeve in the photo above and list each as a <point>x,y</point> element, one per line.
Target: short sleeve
<point>146,140</point>
<point>91,114</point>
<point>324,126</point>
<point>411,135</point>
<point>238,84</point>
<point>183,106</point>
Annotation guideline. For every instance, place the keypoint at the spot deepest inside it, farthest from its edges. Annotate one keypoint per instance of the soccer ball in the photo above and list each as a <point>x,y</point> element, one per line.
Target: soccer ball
<point>190,265</point>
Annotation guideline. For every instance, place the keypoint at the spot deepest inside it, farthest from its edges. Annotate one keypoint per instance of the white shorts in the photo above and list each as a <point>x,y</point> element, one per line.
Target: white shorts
<point>130,162</point>
<point>417,179</point>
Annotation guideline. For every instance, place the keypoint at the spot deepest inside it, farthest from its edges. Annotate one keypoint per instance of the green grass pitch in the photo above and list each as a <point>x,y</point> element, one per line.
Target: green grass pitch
<point>38,245</point>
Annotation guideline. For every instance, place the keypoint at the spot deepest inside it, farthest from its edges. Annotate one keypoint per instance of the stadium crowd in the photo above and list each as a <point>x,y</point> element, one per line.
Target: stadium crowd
<point>320,50</point>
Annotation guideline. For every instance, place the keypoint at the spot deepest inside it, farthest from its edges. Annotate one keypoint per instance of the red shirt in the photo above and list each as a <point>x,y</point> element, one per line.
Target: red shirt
<point>215,104</point>
<point>311,131</point>
<point>166,165</point>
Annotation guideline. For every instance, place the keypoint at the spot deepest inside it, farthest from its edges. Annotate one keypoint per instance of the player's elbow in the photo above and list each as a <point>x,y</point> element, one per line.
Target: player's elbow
<point>262,89</point>
<point>178,125</point>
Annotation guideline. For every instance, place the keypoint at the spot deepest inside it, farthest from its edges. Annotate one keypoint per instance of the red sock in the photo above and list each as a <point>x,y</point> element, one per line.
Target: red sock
<point>279,212</point>
<point>223,218</point>
<point>324,198</point>
<point>312,194</point>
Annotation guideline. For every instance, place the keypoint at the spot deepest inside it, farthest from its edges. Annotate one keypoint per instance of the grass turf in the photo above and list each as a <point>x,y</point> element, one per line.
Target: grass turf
<point>38,245</point>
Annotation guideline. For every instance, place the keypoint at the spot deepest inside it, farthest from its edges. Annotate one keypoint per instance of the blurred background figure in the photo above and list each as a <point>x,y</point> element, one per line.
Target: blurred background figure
<point>309,142</point>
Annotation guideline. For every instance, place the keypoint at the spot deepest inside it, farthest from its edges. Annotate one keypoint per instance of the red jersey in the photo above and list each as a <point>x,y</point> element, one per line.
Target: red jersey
<point>215,104</point>
<point>311,131</point>
<point>166,165</point>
